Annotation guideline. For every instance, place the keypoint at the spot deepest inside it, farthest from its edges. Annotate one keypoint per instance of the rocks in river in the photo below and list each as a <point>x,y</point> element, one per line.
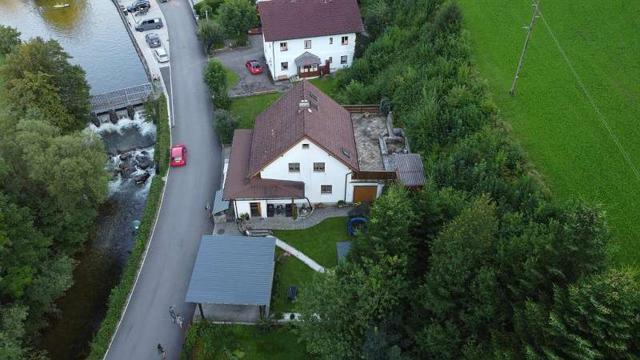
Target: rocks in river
<point>136,165</point>
<point>125,156</point>
<point>142,177</point>
<point>143,160</point>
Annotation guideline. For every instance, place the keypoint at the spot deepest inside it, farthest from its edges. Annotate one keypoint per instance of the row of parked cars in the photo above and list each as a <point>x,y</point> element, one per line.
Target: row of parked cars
<point>140,7</point>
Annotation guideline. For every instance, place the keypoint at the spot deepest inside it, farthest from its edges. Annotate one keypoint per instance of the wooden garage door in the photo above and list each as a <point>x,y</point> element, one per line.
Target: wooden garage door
<point>364,193</point>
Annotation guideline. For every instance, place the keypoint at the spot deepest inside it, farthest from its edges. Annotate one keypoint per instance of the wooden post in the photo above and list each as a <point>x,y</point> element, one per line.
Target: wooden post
<point>201,312</point>
<point>536,5</point>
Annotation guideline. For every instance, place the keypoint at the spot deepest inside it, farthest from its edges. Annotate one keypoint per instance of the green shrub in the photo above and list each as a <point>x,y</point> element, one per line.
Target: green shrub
<point>207,8</point>
<point>215,76</point>
<point>225,124</point>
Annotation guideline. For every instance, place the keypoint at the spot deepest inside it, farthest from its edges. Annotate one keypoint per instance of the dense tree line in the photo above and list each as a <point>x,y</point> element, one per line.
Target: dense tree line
<point>482,263</point>
<point>52,179</point>
<point>221,20</point>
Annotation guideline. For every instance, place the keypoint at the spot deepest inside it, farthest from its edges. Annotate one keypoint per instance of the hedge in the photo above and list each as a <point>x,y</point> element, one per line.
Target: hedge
<point>119,294</point>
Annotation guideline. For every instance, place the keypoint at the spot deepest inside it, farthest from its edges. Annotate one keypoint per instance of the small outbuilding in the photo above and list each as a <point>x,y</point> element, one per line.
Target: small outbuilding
<point>232,278</point>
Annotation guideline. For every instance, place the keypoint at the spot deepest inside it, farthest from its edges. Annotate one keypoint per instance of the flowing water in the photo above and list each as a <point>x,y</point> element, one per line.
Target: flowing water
<point>92,32</point>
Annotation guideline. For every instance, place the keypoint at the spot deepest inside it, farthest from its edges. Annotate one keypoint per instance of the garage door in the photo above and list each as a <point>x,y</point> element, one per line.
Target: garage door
<point>364,193</point>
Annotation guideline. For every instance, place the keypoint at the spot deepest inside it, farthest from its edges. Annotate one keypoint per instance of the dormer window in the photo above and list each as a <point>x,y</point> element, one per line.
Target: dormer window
<point>283,46</point>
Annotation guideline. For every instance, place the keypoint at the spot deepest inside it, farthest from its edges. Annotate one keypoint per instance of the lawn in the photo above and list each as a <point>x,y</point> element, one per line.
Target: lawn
<point>207,341</point>
<point>319,243</point>
<point>576,106</point>
<point>327,85</point>
<point>232,77</point>
<point>245,109</point>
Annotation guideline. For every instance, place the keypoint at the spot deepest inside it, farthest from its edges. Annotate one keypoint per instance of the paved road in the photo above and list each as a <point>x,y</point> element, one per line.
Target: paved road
<point>182,220</point>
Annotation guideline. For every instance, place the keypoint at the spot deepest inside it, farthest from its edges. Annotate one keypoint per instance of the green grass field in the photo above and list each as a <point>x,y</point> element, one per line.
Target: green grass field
<point>207,341</point>
<point>576,110</point>
<point>319,243</point>
<point>246,109</point>
<point>232,77</point>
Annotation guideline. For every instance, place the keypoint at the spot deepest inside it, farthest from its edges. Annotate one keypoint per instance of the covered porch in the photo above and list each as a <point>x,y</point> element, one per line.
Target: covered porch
<point>310,65</point>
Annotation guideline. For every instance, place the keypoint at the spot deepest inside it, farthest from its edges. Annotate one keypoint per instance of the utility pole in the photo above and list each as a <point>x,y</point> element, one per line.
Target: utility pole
<point>536,6</point>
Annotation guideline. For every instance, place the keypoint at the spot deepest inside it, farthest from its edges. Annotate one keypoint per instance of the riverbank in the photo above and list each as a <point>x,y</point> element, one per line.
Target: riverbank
<point>120,294</point>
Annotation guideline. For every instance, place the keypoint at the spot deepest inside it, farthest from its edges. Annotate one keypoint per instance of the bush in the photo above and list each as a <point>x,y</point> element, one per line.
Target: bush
<point>207,8</point>
<point>225,124</point>
<point>211,34</point>
<point>236,18</point>
<point>216,79</point>
<point>157,109</point>
<point>9,38</point>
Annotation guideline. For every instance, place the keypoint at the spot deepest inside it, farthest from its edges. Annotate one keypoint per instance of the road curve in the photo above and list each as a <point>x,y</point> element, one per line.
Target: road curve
<point>182,219</point>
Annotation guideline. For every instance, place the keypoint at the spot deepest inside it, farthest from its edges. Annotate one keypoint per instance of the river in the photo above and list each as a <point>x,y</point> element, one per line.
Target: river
<point>94,35</point>
<point>90,31</point>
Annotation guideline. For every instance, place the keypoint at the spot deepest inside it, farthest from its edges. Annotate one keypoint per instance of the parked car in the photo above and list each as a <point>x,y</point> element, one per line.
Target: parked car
<point>254,67</point>
<point>139,5</point>
<point>153,40</point>
<point>149,24</point>
<point>161,55</point>
<point>178,155</point>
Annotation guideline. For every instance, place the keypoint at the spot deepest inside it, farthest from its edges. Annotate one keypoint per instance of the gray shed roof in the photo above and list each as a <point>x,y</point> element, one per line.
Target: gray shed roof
<point>219,204</point>
<point>233,270</point>
<point>343,248</point>
<point>409,168</point>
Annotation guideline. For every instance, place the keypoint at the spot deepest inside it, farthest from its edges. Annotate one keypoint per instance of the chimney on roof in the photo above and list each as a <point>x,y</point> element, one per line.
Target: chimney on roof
<point>304,104</point>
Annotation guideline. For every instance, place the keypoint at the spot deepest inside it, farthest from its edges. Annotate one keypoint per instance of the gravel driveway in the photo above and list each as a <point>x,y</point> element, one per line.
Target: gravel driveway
<point>250,84</point>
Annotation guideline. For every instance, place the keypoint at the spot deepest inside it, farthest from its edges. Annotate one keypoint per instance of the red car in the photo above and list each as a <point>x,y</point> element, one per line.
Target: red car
<point>254,67</point>
<point>178,155</point>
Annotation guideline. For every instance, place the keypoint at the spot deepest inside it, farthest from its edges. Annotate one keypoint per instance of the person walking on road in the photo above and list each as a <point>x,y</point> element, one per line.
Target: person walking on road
<point>162,351</point>
<point>172,313</point>
<point>180,321</point>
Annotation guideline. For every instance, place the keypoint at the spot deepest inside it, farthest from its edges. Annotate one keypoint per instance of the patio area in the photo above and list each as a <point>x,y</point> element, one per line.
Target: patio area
<point>281,222</point>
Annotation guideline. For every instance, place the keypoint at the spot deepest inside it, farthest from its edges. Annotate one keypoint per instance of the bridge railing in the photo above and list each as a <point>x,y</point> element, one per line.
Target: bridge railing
<point>120,99</point>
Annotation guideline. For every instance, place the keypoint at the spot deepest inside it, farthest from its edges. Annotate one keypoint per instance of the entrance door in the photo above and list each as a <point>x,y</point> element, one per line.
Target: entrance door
<point>364,193</point>
<point>255,209</point>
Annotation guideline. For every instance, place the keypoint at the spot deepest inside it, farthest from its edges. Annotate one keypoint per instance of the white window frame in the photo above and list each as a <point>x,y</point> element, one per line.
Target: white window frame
<point>345,40</point>
<point>294,167</point>
<point>323,191</point>
<point>319,167</point>
<point>307,44</point>
<point>284,66</point>
<point>344,59</point>
<point>331,41</point>
<point>285,47</point>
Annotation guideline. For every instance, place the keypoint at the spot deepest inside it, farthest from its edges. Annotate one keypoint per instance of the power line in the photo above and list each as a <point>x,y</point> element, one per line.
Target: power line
<point>536,6</point>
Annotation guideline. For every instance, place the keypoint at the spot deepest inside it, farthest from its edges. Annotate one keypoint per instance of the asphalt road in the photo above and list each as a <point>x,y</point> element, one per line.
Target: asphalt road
<point>182,220</point>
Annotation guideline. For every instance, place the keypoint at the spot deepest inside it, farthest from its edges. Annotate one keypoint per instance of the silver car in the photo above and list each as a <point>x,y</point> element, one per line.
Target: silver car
<point>149,24</point>
<point>161,55</point>
<point>153,40</point>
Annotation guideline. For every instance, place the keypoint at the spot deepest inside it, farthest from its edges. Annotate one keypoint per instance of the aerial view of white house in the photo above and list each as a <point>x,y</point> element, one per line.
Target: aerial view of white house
<point>307,38</point>
<point>306,149</point>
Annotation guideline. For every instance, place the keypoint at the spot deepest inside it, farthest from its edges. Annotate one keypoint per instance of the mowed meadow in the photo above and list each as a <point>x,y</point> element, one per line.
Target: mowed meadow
<point>577,107</point>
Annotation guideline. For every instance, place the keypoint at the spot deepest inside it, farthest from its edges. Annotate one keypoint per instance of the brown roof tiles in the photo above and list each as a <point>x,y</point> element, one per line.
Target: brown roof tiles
<point>238,185</point>
<point>284,124</point>
<point>295,19</point>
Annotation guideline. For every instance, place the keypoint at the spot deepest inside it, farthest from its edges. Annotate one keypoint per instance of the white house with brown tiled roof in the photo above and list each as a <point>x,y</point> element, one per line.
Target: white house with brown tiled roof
<point>308,38</point>
<point>306,149</point>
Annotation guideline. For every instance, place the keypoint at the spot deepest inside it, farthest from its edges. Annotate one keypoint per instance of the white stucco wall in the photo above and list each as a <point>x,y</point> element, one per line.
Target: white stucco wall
<point>333,175</point>
<point>320,46</point>
<point>243,207</point>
